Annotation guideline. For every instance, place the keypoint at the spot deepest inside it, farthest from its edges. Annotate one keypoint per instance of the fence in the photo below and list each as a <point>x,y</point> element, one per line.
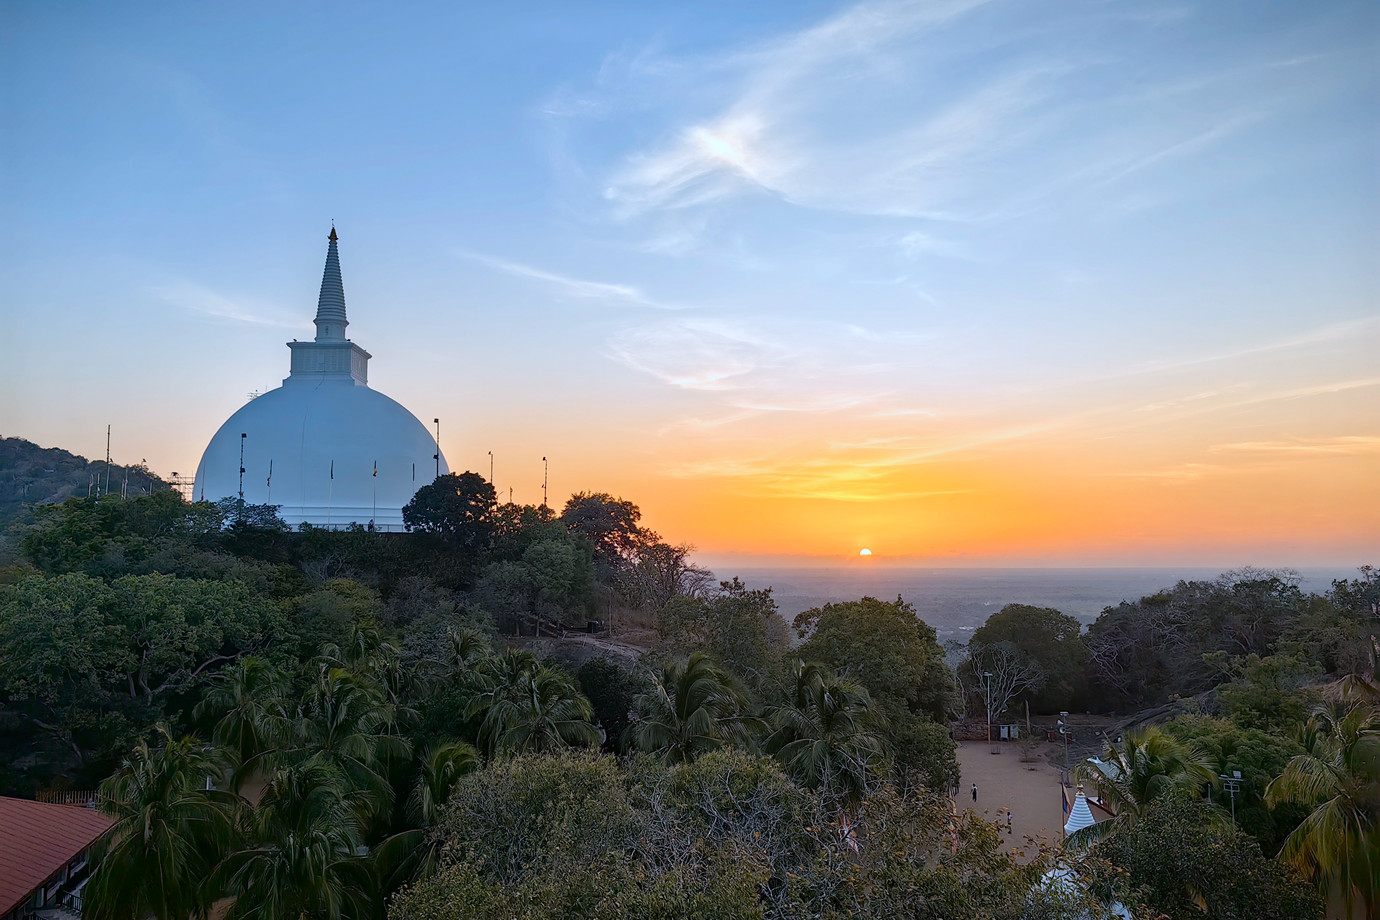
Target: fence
<point>67,797</point>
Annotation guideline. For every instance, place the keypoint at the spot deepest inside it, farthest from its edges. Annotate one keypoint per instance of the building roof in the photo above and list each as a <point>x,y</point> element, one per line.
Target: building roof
<point>38,839</point>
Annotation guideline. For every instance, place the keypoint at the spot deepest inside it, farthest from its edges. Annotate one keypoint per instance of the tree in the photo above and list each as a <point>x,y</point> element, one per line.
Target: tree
<point>826,735</point>
<point>415,852</point>
<point>610,526</point>
<point>886,649</point>
<point>689,709</point>
<point>1338,843</point>
<point>1149,766</point>
<point>528,707</point>
<point>86,664</point>
<point>1182,862</point>
<point>170,831</point>
<point>301,856</point>
<point>345,723</point>
<point>1050,639</point>
<point>458,507</point>
<point>612,692</point>
<point>552,578</point>
<point>738,627</point>
<point>658,573</point>
<point>246,705</point>
<point>1143,652</point>
<point>1259,756</point>
<point>999,673</point>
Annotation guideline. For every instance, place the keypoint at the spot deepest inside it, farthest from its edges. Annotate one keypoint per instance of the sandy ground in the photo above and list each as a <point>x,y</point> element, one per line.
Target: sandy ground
<point>1029,792</point>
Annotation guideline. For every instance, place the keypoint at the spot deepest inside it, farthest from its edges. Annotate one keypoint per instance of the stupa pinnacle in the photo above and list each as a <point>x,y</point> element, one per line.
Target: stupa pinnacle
<point>325,447</point>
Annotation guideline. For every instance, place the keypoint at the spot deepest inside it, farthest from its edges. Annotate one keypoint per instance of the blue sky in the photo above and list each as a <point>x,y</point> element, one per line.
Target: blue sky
<point>801,260</point>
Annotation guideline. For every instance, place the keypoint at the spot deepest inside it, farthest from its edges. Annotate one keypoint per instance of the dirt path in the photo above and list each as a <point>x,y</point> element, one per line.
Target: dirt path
<point>1029,792</point>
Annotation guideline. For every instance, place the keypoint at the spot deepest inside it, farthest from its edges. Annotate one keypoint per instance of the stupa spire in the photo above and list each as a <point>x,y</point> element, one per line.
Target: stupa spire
<point>330,306</point>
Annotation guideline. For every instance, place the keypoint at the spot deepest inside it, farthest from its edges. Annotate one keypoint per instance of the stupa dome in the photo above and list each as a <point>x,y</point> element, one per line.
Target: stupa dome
<point>323,446</point>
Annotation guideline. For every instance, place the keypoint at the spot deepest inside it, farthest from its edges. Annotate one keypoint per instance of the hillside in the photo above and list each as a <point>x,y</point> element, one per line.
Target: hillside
<point>33,475</point>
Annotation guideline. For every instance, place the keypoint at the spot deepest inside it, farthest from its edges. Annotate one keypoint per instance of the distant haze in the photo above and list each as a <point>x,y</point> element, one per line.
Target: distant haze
<point>956,601</point>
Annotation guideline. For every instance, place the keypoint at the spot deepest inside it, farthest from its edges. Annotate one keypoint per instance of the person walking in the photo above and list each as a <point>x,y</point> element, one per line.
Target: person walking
<point>974,792</point>
<point>1008,822</point>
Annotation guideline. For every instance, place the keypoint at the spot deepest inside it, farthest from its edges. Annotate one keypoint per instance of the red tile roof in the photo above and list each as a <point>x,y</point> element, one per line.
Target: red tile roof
<point>37,839</point>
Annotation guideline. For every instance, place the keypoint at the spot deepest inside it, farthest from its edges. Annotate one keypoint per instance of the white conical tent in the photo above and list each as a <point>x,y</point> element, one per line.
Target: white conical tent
<point>1080,815</point>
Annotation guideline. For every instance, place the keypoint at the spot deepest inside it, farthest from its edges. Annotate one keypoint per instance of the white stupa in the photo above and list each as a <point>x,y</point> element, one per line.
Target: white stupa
<point>323,446</point>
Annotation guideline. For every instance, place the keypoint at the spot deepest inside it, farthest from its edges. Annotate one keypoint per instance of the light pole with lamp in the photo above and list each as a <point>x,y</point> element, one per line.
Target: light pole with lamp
<point>987,698</point>
<point>1233,785</point>
<point>1064,730</point>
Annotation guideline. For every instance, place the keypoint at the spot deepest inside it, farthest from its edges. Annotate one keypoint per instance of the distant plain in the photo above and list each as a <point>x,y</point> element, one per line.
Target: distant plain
<point>956,601</point>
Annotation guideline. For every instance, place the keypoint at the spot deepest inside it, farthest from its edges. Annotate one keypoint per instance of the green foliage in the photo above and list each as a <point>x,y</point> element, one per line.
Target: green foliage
<point>550,583</point>
<point>1260,756</point>
<point>826,735</point>
<point>738,627</point>
<point>1269,693</point>
<point>170,832</point>
<point>301,855</point>
<point>1148,767</point>
<point>612,692</point>
<point>689,709</point>
<point>85,663</point>
<point>326,614</point>
<point>1143,652</point>
<point>1182,862</point>
<point>609,525</point>
<point>32,477</point>
<point>1338,777</point>
<point>727,835</point>
<point>1049,638</point>
<point>886,649</point>
<point>528,707</point>
<point>458,507</point>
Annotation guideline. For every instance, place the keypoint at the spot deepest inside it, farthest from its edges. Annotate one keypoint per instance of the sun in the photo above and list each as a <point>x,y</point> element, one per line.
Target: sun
<point>864,552</point>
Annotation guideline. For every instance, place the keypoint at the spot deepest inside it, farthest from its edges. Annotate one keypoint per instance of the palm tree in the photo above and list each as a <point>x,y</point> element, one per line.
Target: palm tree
<point>303,859</point>
<point>1148,766</point>
<point>247,703</point>
<point>691,709</point>
<point>414,853</point>
<point>170,831</point>
<point>1338,844</point>
<point>346,721</point>
<point>824,736</point>
<point>529,707</point>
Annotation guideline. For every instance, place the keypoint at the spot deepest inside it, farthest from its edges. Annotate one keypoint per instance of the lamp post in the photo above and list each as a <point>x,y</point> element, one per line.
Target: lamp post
<point>987,698</point>
<point>1233,785</point>
<point>1064,730</point>
<point>437,457</point>
<point>243,437</point>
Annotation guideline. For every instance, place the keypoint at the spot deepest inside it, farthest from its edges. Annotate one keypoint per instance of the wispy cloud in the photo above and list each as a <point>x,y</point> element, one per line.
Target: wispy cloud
<point>187,295</point>
<point>827,478</point>
<point>1303,447</point>
<point>601,291</point>
<point>696,354</point>
<point>956,114</point>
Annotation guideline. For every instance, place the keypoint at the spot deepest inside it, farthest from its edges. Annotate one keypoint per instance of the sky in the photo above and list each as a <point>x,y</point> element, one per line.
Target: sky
<point>1057,282</point>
